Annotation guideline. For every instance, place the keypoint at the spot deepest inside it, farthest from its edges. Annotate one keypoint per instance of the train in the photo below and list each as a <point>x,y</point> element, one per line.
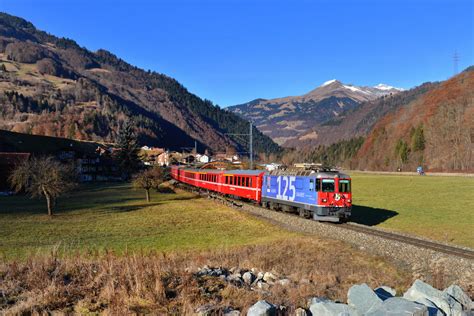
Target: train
<point>321,195</point>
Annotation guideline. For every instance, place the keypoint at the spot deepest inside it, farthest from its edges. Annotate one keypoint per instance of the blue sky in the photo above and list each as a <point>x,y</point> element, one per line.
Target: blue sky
<point>233,51</point>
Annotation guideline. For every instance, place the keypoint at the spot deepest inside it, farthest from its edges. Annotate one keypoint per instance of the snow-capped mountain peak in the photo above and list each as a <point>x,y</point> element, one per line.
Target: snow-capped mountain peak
<point>329,82</point>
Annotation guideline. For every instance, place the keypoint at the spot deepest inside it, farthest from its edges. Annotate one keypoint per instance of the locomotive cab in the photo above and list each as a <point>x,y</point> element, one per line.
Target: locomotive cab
<point>334,197</point>
<point>321,195</point>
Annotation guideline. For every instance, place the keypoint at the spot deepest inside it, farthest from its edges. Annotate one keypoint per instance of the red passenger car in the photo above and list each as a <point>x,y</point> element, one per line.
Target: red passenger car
<point>245,184</point>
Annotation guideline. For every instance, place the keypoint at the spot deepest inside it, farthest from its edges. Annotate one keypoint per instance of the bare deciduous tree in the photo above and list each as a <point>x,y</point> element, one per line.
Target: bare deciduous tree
<point>149,179</point>
<point>43,176</point>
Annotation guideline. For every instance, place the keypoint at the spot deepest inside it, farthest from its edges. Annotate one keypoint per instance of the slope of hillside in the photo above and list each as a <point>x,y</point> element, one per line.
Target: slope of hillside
<point>51,86</point>
<point>285,119</point>
<point>435,130</point>
<point>357,121</point>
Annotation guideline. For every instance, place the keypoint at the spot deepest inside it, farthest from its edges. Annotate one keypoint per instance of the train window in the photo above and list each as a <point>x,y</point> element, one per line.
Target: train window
<point>318,185</point>
<point>247,182</point>
<point>311,184</point>
<point>344,186</point>
<point>250,182</point>
<point>328,185</point>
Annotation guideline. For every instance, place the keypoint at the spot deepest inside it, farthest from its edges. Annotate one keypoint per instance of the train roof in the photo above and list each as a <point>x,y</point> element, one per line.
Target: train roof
<point>310,173</point>
<point>244,172</point>
<point>232,172</point>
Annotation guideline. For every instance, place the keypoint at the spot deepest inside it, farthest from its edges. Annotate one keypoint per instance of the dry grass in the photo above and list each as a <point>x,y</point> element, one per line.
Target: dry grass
<point>164,283</point>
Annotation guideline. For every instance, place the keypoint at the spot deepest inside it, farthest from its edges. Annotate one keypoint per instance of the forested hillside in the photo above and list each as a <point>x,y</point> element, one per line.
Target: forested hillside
<point>430,126</point>
<point>357,121</point>
<point>435,130</point>
<point>52,86</point>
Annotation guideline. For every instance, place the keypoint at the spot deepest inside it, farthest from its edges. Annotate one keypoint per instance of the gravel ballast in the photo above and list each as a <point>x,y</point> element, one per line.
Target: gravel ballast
<point>424,263</point>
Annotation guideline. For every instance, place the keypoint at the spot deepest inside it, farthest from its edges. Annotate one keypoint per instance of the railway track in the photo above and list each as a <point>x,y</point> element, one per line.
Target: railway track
<point>443,248</point>
<point>414,241</point>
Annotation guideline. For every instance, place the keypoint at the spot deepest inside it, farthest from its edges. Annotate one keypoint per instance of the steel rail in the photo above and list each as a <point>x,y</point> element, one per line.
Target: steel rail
<point>422,243</point>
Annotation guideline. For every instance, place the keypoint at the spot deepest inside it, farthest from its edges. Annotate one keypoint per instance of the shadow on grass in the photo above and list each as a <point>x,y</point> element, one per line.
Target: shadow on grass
<point>130,208</point>
<point>370,216</point>
<point>183,198</point>
<point>103,186</point>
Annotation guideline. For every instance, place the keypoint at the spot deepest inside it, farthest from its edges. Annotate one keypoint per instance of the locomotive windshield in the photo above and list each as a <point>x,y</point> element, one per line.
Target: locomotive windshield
<point>328,185</point>
<point>344,186</point>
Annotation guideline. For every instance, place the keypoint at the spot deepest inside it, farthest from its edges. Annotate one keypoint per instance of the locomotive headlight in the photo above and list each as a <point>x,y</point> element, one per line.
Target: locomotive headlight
<point>349,201</point>
<point>324,200</point>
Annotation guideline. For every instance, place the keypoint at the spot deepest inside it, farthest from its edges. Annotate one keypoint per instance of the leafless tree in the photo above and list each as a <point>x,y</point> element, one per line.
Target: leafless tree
<point>43,176</point>
<point>149,179</point>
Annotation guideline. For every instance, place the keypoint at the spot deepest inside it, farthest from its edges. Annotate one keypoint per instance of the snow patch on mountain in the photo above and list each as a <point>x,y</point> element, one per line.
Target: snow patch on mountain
<point>328,82</point>
<point>355,89</point>
<point>383,86</point>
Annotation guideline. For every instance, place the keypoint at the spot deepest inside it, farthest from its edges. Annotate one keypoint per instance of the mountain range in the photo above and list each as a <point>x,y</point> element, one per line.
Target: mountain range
<point>287,120</point>
<point>52,86</point>
<point>431,125</point>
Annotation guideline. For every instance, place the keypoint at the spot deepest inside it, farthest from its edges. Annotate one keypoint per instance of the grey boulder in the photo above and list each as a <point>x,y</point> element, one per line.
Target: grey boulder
<point>248,277</point>
<point>399,306</point>
<point>328,308</point>
<point>262,308</point>
<point>445,302</point>
<point>363,299</point>
<point>459,295</point>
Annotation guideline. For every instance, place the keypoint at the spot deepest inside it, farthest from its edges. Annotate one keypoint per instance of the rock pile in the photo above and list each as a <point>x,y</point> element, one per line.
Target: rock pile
<point>419,299</point>
<point>253,279</point>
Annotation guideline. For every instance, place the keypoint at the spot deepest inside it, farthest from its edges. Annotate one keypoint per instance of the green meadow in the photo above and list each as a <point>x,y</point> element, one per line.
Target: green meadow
<point>115,217</point>
<point>437,207</point>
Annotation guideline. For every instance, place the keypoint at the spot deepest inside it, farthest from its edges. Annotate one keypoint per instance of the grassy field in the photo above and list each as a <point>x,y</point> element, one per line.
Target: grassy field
<point>440,208</point>
<point>116,217</point>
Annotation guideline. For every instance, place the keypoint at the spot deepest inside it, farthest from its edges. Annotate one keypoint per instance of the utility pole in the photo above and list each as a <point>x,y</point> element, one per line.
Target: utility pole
<point>251,146</point>
<point>195,146</point>
<point>455,62</point>
<point>250,135</point>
